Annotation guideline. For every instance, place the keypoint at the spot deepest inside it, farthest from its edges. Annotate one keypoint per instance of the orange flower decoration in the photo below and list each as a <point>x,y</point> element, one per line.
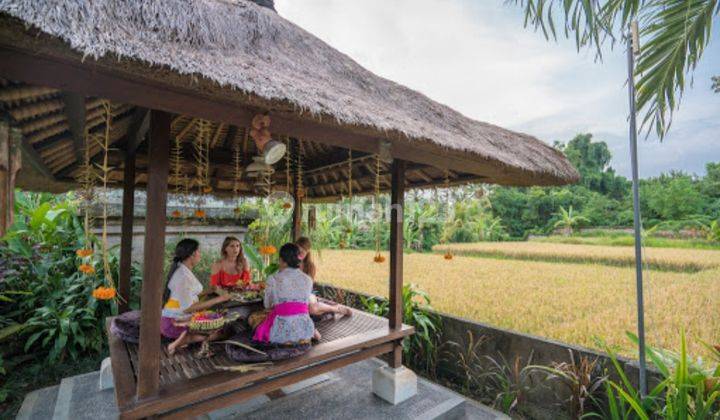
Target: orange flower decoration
<point>200,214</point>
<point>176,214</point>
<point>379,258</point>
<point>448,256</point>
<point>207,189</point>
<point>86,268</point>
<point>82,253</point>
<point>104,293</point>
<point>287,205</point>
<point>267,250</point>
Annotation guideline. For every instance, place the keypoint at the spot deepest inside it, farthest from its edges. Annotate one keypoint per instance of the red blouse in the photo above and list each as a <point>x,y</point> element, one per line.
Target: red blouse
<point>225,280</point>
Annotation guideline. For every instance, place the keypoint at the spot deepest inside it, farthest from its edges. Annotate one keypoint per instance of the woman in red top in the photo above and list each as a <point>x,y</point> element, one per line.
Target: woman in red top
<point>233,269</point>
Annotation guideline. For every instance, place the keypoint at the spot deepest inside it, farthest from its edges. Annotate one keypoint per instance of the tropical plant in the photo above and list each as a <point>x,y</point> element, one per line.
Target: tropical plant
<point>569,220</point>
<point>468,357</point>
<point>420,349</point>
<point>509,382</point>
<point>582,381</point>
<point>489,228</point>
<point>712,231</point>
<point>52,306</point>
<point>674,34</point>
<point>688,389</point>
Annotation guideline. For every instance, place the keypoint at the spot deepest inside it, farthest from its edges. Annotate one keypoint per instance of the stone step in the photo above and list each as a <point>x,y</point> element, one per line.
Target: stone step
<point>39,404</point>
<point>78,398</point>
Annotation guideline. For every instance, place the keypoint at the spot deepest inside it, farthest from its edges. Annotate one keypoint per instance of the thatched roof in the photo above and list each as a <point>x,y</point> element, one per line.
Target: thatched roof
<point>243,53</point>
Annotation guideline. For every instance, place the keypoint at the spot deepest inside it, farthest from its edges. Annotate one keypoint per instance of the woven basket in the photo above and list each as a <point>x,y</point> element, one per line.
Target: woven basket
<point>214,324</point>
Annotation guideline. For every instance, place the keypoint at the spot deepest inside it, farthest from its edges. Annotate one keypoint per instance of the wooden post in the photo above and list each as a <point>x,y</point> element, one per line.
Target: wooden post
<point>126,239</point>
<point>10,161</point>
<point>397,201</point>
<point>153,281</point>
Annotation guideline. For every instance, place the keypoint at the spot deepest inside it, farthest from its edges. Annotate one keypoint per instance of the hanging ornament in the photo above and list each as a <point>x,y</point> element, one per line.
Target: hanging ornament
<point>202,165</point>
<point>177,175</point>
<point>299,180</point>
<point>376,209</point>
<point>238,156</point>
<point>448,254</point>
<point>104,143</point>
<point>288,177</point>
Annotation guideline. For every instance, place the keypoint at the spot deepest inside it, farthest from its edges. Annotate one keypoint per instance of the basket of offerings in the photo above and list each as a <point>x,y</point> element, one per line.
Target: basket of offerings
<point>208,321</point>
<point>249,293</point>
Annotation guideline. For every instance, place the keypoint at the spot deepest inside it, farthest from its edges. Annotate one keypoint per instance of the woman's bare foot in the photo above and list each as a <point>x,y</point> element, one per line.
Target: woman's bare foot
<point>344,310</point>
<point>316,335</point>
<point>177,343</point>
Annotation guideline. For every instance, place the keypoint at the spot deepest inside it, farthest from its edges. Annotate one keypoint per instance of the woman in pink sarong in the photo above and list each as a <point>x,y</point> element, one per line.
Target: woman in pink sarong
<point>287,294</point>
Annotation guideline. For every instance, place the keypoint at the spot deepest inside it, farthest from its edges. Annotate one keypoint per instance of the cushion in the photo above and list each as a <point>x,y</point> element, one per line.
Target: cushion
<point>126,326</point>
<point>273,352</point>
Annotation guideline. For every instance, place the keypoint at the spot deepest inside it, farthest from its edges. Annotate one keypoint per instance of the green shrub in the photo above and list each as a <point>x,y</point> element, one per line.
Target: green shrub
<point>420,350</point>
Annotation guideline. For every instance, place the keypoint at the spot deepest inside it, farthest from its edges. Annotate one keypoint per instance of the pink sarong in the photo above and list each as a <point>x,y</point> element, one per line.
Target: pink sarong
<point>262,332</point>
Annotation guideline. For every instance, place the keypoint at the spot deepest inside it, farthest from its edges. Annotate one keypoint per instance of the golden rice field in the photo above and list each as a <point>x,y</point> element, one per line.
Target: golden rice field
<point>673,259</point>
<point>569,302</point>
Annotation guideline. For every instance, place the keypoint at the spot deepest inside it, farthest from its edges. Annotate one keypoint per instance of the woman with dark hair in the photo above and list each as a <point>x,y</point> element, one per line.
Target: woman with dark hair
<point>182,296</point>
<point>232,268</point>
<point>317,308</point>
<point>287,294</point>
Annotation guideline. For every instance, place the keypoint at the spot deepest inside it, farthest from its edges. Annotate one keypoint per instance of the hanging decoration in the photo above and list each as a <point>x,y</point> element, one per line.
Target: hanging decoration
<point>202,165</point>
<point>376,209</point>
<point>348,213</point>
<point>299,161</point>
<point>177,176</point>
<point>237,172</point>
<point>448,254</point>
<point>86,179</point>
<point>104,143</point>
<point>288,177</point>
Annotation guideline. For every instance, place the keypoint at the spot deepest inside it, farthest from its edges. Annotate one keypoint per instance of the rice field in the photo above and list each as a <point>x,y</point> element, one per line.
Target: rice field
<point>573,303</point>
<point>670,259</point>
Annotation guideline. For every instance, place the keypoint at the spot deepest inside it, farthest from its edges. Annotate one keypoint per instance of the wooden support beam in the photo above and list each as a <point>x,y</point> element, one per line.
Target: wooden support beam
<point>152,286</point>
<point>138,130</point>
<point>76,117</point>
<point>230,137</point>
<point>397,202</point>
<point>126,239</point>
<point>10,162</point>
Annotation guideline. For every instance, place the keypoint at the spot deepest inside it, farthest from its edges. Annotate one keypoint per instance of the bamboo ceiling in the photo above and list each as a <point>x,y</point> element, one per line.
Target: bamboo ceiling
<point>53,123</point>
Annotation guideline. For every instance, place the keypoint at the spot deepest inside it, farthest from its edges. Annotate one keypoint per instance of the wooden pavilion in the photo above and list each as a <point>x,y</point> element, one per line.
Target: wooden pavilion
<point>171,69</point>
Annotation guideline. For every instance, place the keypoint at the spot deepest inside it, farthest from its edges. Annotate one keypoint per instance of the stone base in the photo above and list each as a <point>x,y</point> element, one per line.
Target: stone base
<point>394,385</point>
<point>106,375</point>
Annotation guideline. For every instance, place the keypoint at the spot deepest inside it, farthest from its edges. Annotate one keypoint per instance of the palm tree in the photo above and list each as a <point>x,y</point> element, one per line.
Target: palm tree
<point>569,220</point>
<point>674,34</point>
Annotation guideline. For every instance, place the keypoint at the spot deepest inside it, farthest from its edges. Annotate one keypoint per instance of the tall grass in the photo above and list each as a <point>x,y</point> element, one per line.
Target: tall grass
<point>667,259</point>
<point>625,239</point>
<point>568,302</point>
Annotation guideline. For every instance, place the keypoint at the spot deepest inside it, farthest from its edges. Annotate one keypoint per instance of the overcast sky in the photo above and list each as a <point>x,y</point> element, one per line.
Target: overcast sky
<point>476,57</point>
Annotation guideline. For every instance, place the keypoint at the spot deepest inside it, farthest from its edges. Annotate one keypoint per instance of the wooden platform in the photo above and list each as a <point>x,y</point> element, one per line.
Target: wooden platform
<point>191,386</point>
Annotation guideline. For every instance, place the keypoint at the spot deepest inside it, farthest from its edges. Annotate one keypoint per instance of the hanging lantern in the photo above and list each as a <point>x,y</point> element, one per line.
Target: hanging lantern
<point>271,150</point>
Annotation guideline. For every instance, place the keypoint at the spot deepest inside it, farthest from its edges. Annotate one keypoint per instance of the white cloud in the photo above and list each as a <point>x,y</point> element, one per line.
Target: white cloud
<point>477,58</point>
